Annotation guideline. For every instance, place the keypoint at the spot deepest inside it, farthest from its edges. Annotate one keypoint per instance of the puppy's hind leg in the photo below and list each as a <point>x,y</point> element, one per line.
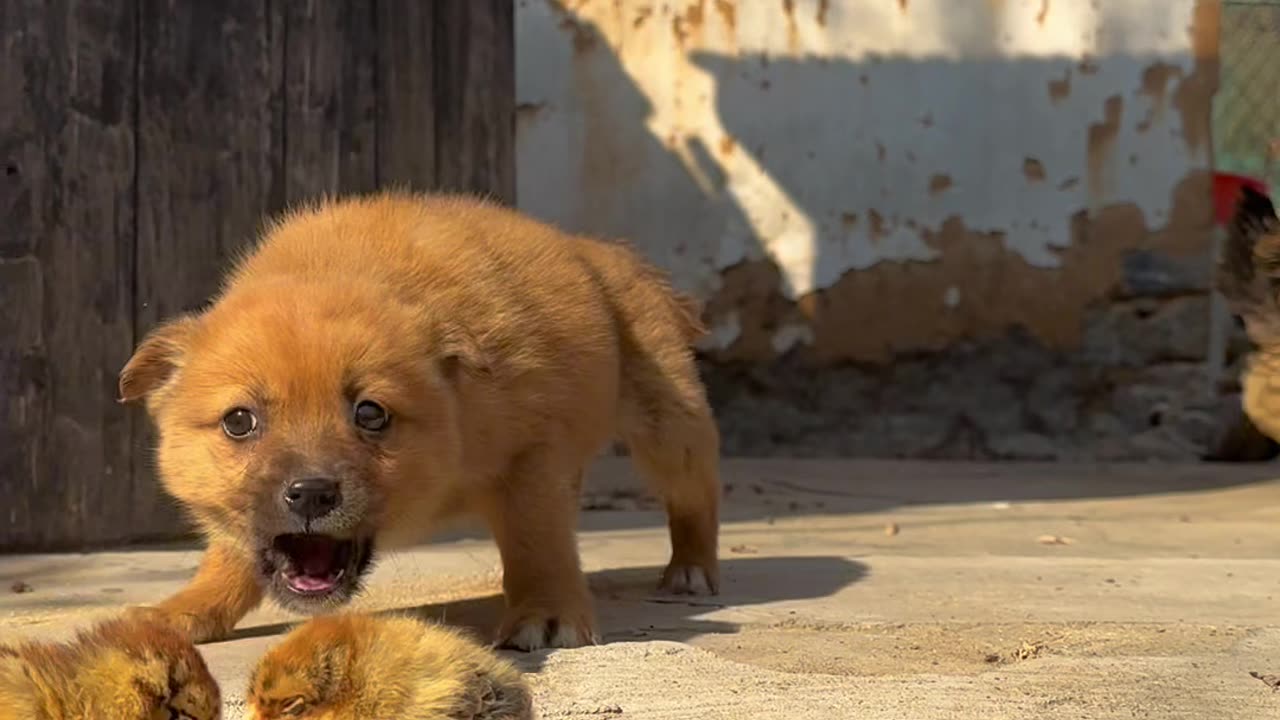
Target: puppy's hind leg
<point>673,440</point>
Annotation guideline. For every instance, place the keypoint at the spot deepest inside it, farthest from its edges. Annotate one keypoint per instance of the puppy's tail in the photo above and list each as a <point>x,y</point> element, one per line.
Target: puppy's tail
<point>1248,274</point>
<point>685,309</point>
<point>645,302</point>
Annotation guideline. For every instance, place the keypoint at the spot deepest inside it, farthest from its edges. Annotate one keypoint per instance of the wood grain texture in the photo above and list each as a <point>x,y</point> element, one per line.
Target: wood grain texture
<point>406,94</point>
<point>475,97</point>
<point>330,117</point>
<point>142,145</point>
<point>210,149</point>
<point>66,267</point>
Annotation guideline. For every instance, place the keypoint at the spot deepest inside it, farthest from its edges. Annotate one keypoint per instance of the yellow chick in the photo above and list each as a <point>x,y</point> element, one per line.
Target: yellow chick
<point>361,667</point>
<point>129,668</point>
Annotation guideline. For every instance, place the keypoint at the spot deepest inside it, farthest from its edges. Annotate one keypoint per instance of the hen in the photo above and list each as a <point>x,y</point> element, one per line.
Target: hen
<point>1248,276</point>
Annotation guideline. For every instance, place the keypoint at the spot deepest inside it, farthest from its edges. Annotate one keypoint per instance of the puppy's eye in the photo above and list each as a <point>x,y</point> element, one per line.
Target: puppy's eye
<point>371,417</point>
<point>239,423</point>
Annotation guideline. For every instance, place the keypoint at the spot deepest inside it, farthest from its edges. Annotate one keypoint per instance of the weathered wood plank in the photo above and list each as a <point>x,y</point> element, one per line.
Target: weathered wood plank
<point>142,143</point>
<point>475,96</point>
<point>66,265</point>
<point>406,93</point>
<point>210,158</point>
<point>330,66</point>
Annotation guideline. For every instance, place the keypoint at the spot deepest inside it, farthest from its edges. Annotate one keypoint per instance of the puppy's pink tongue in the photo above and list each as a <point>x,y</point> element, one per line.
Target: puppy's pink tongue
<point>310,583</point>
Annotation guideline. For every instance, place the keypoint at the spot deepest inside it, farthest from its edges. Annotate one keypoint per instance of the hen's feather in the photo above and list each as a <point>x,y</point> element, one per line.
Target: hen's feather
<point>1248,274</point>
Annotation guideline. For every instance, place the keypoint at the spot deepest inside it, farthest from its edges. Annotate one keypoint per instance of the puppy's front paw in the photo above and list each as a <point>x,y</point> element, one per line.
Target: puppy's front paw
<point>683,578</point>
<point>196,628</point>
<point>534,629</point>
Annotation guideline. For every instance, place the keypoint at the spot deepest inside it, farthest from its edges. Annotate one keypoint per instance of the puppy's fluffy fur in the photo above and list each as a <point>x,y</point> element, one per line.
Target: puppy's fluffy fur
<point>506,355</point>
<point>353,667</point>
<point>131,668</point>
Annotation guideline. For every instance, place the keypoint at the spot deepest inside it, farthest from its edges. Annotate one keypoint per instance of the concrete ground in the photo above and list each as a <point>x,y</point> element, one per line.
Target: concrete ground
<point>851,590</point>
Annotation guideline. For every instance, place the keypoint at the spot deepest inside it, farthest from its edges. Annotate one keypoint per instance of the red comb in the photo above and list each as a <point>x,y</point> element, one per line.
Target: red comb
<point>1226,193</point>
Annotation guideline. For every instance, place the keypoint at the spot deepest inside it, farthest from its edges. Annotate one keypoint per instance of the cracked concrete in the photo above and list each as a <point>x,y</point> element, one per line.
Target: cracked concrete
<point>852,589</point>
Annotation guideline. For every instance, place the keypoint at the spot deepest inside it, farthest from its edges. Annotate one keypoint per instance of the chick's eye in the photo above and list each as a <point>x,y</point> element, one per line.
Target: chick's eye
<point>370,416</point>
<point>294,706</point>
<point>239,423</point>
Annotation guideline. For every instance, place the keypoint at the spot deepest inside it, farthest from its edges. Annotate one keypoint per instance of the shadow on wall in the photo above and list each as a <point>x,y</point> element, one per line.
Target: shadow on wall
<point>1004,257</point>
<point>970,195</point>
<point>630,184</point>
<point>955,193</point>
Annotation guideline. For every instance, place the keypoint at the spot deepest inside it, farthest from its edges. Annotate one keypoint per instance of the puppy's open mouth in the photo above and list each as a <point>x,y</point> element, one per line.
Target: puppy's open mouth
<point>313,565</point>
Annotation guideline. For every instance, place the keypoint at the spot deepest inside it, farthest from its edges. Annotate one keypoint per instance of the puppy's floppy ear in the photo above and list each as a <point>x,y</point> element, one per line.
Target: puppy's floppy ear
<point>459,352</point>
<point>156,358</point>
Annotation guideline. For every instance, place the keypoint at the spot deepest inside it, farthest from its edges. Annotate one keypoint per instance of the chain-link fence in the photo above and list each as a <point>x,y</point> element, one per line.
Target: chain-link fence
<point>1246,111</point>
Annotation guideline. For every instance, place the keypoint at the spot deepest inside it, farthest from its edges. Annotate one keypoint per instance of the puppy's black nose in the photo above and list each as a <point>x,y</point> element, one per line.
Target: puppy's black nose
<point>312,498</point>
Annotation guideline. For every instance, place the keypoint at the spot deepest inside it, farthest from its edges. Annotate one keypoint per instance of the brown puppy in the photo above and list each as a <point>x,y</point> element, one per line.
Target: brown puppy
<point>360,667</point>
<point>131,668</point>
<point>380,365</point>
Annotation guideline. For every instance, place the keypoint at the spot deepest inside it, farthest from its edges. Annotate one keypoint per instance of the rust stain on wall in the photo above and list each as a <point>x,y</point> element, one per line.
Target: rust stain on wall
<point>1044,12</point>
<point>877,224</point>
<point>939,184</point>
<point>1102,138</point>
<point>1155,84</point>
<point>642,15</point>
<point>1060,90</point>
<point>727,145</point>
<point>1194,96</point>
<point>824,6</point>
<point>728,12</point>
<point>687,26</point>
<point>1001,290</point>
<point>1033,170</point>
<point>793,32</point>
<point>902,5</point>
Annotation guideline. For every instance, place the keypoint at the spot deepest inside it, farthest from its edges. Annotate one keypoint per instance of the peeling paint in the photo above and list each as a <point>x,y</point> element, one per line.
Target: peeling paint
<point>724,333</point>
<point>951,298</point>
<point>1102,139</point>
<point>789,336</point>
<point>839,142</point>
<point>1033,170</point>
<point>1060,88</point>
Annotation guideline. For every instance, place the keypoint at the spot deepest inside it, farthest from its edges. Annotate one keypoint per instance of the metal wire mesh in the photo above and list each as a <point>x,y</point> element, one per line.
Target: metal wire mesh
<point>1246,111</point>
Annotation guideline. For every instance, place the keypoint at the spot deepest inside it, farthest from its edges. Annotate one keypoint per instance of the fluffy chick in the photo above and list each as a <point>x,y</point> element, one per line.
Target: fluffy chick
<point>360,667</point>
<point>129,668</point>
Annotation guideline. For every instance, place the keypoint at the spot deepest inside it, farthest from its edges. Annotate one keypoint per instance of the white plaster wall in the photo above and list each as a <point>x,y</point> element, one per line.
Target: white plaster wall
<point>811,132</point>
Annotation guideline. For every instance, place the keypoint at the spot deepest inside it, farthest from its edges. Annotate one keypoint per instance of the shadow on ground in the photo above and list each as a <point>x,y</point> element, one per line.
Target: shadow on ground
<point>630,610</point>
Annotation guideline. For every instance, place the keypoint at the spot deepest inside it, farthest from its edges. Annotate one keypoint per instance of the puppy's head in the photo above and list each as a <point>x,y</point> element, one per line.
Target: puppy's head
<point>302,419</point>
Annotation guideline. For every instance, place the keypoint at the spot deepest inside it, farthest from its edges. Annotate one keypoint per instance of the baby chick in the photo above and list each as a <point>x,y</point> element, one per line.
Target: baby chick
<point>361,667</point>
<point>129,668</point>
